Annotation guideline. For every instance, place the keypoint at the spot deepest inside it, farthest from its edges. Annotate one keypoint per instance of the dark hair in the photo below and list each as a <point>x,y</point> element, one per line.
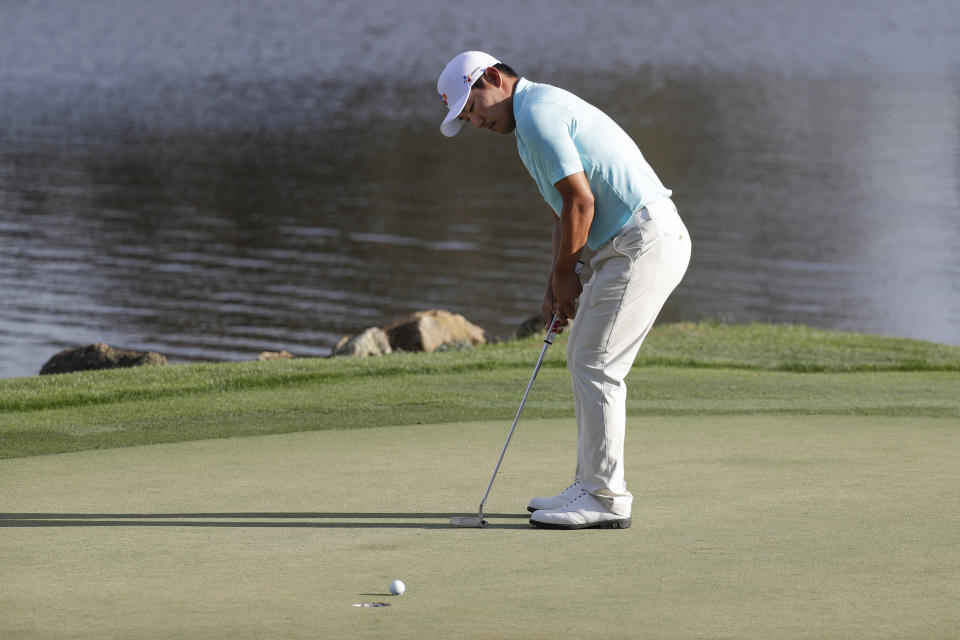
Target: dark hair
<point>504,69</point>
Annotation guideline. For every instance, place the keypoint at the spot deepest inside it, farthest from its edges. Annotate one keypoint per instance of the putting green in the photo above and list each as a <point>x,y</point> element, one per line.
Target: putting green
<point>746,527</point>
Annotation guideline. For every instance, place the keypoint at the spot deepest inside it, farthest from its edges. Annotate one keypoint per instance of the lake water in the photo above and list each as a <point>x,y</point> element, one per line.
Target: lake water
<point>210,180</point>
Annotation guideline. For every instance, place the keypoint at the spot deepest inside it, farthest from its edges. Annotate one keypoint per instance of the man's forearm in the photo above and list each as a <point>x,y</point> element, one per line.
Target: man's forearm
<point>557,236</point>
<point>576,216</point>
<point>574,226</point>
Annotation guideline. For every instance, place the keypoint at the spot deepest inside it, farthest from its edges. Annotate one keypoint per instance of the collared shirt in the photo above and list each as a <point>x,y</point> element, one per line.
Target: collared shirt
<point>558,134</point>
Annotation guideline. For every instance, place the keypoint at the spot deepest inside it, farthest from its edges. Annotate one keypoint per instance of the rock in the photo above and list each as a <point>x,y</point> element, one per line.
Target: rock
<point>534,325</point>
<point>430,330</point>
<point>99,356</point>
<point>372,342</point>
<point>274,355</point>
<point>531,327</point>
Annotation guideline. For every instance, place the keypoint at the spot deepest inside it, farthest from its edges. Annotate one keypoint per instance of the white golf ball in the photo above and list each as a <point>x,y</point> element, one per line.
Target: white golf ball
<point>397,587</point>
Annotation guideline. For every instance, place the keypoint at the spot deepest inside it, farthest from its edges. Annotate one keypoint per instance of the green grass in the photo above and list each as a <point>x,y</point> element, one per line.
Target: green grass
<point>792,348</point>
<point>683,369</point>
<point>788,483</point>
<point>765,526</point>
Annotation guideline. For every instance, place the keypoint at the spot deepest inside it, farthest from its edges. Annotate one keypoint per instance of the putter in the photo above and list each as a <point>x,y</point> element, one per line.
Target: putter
<point>459,521</point>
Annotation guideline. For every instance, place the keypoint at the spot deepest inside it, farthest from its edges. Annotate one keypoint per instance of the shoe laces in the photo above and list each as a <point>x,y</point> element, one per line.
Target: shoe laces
<point>580,494</point>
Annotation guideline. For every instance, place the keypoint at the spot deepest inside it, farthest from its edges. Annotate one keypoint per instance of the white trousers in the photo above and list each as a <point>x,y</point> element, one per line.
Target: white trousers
<point>633,274</point>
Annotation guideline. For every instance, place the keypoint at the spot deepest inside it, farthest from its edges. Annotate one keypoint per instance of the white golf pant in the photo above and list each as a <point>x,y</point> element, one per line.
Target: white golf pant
<point>633,274</point>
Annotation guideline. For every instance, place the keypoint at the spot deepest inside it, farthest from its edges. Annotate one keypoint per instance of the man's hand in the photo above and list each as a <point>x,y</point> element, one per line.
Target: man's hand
<point>547,309</point>
<point>566,290</point>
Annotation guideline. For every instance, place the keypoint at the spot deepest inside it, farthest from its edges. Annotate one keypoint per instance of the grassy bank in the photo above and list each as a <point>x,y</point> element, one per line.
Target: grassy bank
<point>683,369</point>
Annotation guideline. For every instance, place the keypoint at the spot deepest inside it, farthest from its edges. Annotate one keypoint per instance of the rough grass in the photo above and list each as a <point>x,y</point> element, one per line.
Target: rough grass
<point>682,369</point>
<point>791,348</point>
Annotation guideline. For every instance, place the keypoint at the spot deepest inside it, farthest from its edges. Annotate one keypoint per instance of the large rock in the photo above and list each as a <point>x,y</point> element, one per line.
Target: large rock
<point>435,329</point>
<point>99,356</point>
<point>372,342</point>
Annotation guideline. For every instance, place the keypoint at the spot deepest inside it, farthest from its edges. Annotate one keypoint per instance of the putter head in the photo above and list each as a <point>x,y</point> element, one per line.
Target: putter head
<point>460,521</point>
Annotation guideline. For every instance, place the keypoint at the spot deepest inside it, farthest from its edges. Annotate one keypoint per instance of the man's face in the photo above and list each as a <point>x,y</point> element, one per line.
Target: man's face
<point>490,105</point>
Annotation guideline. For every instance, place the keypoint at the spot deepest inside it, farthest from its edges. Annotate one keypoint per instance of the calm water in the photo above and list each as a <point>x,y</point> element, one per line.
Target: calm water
<point>211,181</point>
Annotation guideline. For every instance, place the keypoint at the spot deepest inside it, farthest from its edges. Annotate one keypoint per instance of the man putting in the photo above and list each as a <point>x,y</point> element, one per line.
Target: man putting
<point>611,210</point>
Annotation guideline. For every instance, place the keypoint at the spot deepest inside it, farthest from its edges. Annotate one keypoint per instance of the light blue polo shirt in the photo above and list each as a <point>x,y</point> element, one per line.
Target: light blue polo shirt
<point>558,134</point>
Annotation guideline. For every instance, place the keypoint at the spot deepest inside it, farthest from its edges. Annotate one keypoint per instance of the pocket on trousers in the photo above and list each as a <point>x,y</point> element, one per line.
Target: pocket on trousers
<point>632,241</point>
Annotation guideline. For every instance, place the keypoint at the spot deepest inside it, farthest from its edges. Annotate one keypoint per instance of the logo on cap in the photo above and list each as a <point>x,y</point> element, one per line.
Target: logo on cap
<point>468,79</point>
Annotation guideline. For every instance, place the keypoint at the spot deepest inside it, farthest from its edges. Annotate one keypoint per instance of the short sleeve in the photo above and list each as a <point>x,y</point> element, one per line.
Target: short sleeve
<point>547,130</point>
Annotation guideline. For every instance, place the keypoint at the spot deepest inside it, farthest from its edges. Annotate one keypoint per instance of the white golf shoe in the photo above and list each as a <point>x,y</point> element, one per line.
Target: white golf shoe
<point>583,512</point>
<point>557,501</point>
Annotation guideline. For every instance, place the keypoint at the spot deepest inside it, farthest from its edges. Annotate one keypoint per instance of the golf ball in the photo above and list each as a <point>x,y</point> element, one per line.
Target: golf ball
<point>397,587</point>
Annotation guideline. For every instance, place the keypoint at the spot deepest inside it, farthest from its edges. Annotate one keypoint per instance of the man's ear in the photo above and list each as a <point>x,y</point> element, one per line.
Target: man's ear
<point>493,76</point>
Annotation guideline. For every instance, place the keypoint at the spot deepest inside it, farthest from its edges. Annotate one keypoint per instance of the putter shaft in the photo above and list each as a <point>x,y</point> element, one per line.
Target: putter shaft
<point>546,344</point>
<point>551,332</point>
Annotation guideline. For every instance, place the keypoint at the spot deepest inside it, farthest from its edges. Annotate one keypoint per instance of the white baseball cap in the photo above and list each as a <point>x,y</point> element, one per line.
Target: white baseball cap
<point>455,82</point>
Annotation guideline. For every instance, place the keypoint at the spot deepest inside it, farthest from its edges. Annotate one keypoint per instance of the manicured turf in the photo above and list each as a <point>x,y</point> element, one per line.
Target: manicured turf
<point>769,526</point>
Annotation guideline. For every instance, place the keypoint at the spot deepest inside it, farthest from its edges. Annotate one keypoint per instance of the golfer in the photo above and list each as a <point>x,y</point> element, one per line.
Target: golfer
<point>611,211</point>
